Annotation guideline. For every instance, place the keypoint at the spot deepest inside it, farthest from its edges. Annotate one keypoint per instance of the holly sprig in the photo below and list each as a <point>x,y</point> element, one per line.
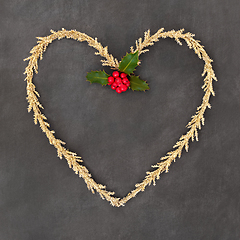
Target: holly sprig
<point>127,65</point>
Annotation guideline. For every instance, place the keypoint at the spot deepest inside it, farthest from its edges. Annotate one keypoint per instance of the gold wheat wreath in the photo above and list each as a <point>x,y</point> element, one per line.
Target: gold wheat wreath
<point>73,160</point>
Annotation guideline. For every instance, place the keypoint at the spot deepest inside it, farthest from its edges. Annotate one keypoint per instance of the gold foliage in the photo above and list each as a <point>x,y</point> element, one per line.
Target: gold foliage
<point>73,160</point>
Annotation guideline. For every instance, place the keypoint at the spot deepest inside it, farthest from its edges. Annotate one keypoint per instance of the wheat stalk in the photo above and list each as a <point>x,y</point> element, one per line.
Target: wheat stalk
<point>73,160</point>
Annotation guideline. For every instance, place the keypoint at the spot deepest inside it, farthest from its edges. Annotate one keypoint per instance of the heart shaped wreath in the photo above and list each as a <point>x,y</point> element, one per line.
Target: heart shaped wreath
<point>122,79</point>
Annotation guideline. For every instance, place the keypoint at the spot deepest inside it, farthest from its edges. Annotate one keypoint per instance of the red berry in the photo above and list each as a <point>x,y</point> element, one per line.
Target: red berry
<point>110,80</point>
<point>125,80</point>
<point>123,87</point>
<point>115,74</point>
<point>118,80</point>
<point>127,84</point>
<point>118,90</point>
<point>123,75</point>
<point>113,87</point>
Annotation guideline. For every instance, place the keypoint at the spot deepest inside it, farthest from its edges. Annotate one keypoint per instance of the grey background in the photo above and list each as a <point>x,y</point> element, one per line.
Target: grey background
<point>119,136</point>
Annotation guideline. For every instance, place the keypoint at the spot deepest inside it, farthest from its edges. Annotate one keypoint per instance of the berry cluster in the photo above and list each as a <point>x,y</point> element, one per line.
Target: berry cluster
<point>119,82</point>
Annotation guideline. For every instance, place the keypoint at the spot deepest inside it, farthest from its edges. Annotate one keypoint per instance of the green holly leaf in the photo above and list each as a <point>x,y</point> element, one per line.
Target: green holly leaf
<point>98,77</point>
<point>137,84</point>
<point>129,63</point>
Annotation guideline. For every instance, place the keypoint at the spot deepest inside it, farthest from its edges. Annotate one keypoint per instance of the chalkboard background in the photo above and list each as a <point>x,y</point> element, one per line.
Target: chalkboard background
<point>119,136</point>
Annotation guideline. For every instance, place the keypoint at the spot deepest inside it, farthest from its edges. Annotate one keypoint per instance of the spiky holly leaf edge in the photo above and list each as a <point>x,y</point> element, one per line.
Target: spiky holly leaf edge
<point>129,63</point>
<point>136,84</point>
<point>98,77</point>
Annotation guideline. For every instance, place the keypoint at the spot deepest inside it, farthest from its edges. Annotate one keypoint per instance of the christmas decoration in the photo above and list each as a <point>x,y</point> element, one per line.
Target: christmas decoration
<point>123,75</point>
<point>127,67</point>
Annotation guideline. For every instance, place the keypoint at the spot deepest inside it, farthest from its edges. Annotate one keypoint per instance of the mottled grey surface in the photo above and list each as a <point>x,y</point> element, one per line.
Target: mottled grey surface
<point>119,136</point>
